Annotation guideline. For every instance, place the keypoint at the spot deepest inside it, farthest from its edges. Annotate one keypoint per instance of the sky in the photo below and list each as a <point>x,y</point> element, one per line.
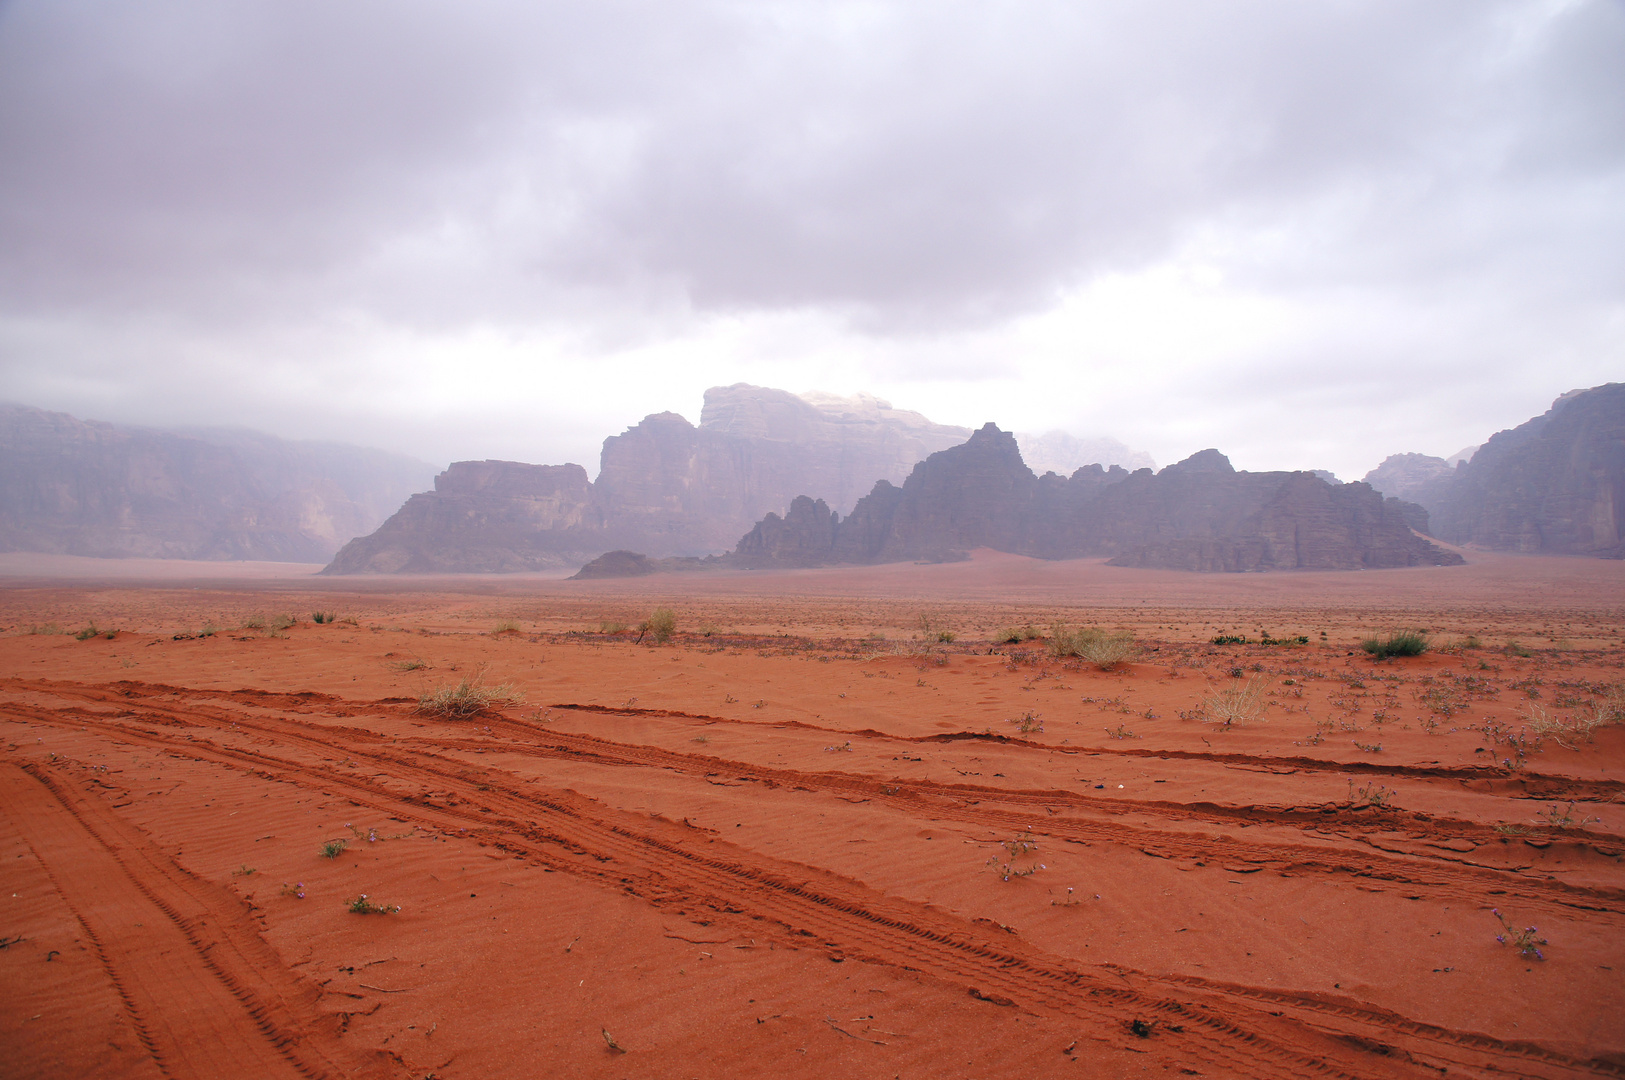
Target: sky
<point>1308,234</point>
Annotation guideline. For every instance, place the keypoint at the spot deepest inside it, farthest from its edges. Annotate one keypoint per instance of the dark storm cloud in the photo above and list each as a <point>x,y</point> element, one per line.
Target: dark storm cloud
<point>923,165</point>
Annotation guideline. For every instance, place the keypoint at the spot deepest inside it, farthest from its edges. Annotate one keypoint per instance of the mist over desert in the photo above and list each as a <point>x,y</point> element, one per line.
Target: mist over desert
<point>812,540</point>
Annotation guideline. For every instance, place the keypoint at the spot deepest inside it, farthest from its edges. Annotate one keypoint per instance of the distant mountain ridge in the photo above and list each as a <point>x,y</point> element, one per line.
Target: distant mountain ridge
<point>665,486</point>
<point>1555,484</point>
<point>82,487</point>
<point>1198,514</point>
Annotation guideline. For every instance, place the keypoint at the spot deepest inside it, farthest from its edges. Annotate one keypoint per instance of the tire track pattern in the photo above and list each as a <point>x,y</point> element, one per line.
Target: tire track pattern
<point>659,864</point>
<point>205,994</point>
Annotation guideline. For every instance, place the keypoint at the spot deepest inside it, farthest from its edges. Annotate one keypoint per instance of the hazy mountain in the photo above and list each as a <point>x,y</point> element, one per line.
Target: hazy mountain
<point>1555,484</point>
<point>1199,514</point>
<point>82,487</point>
<point>665,486</point>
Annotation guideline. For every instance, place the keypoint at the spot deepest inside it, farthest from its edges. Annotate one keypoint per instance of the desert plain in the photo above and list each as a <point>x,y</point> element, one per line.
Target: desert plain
<point>838,824</point>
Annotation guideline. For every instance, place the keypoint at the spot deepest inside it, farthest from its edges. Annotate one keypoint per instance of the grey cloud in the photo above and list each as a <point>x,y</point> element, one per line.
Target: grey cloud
<point>917,166</point>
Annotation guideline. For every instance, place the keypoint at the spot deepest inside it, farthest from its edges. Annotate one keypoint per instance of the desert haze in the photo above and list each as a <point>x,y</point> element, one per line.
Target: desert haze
<point>853,821</point>
<point>815,540</point>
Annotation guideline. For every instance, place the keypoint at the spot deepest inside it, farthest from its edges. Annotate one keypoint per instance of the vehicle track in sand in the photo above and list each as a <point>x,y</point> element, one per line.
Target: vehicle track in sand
<point>662,863</point>
<point>1348,821</point>
<point>1392,849</point>
<point>206,995</point>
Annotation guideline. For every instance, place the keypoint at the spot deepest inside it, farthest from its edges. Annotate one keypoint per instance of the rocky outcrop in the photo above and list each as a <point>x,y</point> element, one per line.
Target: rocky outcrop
<point>665,486</point>
<point>1262,521</point>
<point>82,487</point>
<point>1417,478</point>
<point>486,517</point>
<point>1554,485</point>
<point>1199,514</point>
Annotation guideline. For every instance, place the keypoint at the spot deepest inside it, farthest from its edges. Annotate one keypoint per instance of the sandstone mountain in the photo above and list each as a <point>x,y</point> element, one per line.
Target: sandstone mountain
<point>82,487</point>
<point>1199,514</point>
<point>1554,485</point>
<point>665,487</point>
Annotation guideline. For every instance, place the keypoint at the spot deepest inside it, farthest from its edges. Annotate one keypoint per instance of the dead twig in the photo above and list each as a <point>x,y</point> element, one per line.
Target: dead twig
<point>849,1035</point>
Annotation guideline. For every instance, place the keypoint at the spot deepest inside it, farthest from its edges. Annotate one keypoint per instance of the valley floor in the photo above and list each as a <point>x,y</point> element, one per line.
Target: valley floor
<point>809,837</point>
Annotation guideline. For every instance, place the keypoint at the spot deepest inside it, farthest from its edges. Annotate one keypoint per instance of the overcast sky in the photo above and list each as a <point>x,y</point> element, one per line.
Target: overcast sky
<point>1308,234</point>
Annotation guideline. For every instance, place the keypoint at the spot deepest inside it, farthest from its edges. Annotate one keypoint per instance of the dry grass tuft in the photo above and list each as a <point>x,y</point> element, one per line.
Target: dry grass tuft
<point>1236,705</point>
<point>469,697</point>
<point>1101,649</point>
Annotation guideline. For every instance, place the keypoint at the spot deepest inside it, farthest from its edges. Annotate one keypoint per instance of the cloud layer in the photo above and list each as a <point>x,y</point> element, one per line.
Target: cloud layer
<point>504,228</point>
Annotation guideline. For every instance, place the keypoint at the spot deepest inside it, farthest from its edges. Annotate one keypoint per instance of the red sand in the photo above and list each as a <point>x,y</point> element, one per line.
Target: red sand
<point>772,846</point>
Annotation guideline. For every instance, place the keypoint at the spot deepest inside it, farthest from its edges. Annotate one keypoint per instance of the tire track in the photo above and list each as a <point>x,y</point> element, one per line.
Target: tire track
<point>1433,874</point>
<point>1367,820</point>
<point>205,994</point>
<point>657,863</point>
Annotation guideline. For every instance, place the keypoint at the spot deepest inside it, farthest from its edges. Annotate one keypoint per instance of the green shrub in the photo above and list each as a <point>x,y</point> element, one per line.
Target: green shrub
<point>1399,643</point>
<point>362,906</point>
<point>320,617</point>
<point>660,625</point>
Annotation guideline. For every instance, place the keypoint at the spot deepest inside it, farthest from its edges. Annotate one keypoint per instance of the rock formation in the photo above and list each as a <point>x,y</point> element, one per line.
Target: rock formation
<point>1416,478</point>
<point>665,487</point>
<point>81,487</point>
<point>486,517</point>
<point>1199,514</point>
<point>1553,485</point>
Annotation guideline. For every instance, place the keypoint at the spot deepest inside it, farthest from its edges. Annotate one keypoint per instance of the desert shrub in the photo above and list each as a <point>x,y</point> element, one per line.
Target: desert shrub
<point>333,849</point>
<point>1028,723</point>
<point>506,626</point>
<point>660,625</point>
<point>611,626</point>
<point>1399,643</point>
<point>468,697</point>
<point>1236,705</point>
<point>320,617</point>
<point>1105,650</point>
<point>47,628</point>
<point>92,631</point>
<point>1092,644</point>
<point>1011,635</point>
<point>282,622</point>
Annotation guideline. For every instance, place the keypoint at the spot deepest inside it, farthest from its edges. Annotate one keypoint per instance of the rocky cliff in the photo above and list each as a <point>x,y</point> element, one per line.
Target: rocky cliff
<point>486,517</point>
<point>1199,514</point>
<point>81,487</point>
<point>665,487</point>
<point>1554,485</point>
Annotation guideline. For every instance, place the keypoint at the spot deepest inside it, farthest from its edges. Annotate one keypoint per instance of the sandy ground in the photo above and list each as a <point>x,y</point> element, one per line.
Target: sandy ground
<point>807,837</point>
